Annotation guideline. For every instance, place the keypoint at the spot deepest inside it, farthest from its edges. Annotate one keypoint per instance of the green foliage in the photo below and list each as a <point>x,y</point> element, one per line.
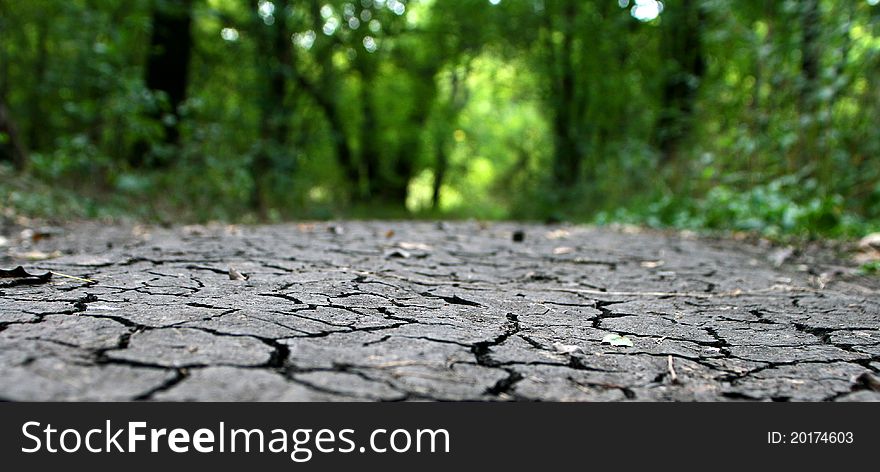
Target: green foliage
<point>746,116</point>
<point>786,206</point>
<point>870,268</point>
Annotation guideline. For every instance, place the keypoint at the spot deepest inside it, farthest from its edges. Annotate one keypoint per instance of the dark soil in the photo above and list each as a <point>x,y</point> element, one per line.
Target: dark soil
<point>434,311</point>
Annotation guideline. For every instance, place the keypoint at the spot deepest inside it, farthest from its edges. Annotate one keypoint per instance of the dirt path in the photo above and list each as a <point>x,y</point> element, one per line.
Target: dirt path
<point>408,311</point>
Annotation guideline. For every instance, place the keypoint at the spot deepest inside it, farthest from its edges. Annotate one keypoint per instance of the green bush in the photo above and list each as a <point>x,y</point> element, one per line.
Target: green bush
<point>786,206</point>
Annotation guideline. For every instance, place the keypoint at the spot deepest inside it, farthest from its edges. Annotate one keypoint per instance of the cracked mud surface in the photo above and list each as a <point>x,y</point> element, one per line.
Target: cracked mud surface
<point>448,311</point>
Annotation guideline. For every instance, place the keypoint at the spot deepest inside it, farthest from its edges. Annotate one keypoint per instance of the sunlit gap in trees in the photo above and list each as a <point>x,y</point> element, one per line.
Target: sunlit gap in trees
<point>643,10</point>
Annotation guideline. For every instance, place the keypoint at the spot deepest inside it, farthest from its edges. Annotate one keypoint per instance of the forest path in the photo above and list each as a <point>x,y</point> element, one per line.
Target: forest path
<point>409,311</point>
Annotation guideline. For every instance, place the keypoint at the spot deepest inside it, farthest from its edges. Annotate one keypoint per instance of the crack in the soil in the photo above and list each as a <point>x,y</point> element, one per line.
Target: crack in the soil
<point>482,349</point>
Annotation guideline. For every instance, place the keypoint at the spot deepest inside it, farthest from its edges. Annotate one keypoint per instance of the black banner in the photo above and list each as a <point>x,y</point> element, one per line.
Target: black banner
<point>489,436</point>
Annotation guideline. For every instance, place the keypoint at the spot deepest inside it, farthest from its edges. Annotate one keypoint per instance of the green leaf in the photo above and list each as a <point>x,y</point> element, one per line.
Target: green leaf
<point>870,268</point>
<point>617,340</point>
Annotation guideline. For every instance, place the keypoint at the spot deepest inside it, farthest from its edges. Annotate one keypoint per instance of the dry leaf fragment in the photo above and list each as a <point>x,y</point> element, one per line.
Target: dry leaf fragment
<point>398,253</point>
<point>869,249</point>
<point>566,348</point>
<point>194,230</point>
<point>23,277</point>
<point>670,367</point>
<point>414,246</point>
<point>37,234</point>
<point>37,255</point>
<point>236,275</point>
<point>871,241</point>
<point>779,257</point>
<point>868,381</point>
<point>19,272</point>
<point>617,340</point>
<point>557,234</point>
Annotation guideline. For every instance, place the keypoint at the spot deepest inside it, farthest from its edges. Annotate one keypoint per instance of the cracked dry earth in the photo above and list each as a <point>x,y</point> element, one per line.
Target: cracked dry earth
<point>427,311</point>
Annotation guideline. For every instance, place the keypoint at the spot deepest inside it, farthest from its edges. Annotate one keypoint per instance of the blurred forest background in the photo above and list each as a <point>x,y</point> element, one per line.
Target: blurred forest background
<point>757,115</point>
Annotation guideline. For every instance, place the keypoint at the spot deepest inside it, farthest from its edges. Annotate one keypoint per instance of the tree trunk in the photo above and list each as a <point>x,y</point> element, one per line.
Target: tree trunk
<point>324,90</point>
<point>275,108</point>
<point>325,100</point>
<point>811,52</point>
<point>395,187</point>
<point>567,158</point>
<point>458,98</point>
<point>440,166</point>
<point>341,147</point>
<point>369,133</point>
<point>36,124</point>
<point>167,70</point>
<point>682,39</point>
<point>11,148</point>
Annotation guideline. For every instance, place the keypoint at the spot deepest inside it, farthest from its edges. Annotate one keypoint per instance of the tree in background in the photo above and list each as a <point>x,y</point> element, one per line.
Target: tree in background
<point>446,125</point>
<point>683,63</point>
<point>11,147</point>
<point>275,62</point>
<point>167,70</point>
<point>566,99</point>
